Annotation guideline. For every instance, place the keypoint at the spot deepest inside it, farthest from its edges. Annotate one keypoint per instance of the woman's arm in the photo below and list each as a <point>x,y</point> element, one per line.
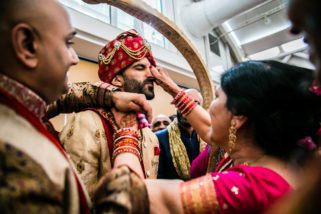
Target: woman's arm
<point>175,196</point>
<point>164,196</point>
<point>199,118</point>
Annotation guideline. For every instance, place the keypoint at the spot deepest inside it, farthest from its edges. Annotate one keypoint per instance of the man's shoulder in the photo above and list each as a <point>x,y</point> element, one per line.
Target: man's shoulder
<point>87,116</point>
<point>26,179</point>
<point>162,136</point>
<point>14,157</point>
<point>162,133</point>
<point>94,111</point>
<point>87,121</point>
<point>149,135</point>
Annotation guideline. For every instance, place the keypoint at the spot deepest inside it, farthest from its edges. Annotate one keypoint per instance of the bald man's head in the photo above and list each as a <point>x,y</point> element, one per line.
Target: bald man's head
<point>39,14</point>
<point>36,12</point>
<point>8,10</point>
<point>160,122</point>
<point>15,11</point>
<point>196,95</point>
<point>35,43</point>
<point>193,93</point>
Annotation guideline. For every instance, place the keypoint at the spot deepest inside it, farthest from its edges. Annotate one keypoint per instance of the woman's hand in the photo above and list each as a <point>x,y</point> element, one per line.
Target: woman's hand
<point>163,79</point>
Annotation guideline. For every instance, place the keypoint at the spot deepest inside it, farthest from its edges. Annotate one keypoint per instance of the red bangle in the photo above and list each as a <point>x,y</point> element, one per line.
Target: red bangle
<point>129,142</point>
<point>127,147</point>
<point>126,150</point>
<point>183,101</point>
<point>126,131</point>
<point>178,97</point>
<point>189,109</point>
<point>125,137</point>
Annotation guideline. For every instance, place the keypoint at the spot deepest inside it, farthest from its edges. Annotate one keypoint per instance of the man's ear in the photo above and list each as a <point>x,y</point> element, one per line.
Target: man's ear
<point>118,81</point>
<point>240,120</point>
<point>24,44</point>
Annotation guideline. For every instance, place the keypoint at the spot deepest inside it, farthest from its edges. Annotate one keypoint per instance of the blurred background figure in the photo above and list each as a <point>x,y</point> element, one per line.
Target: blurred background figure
<point>160,122</point>
<point>172,117</point>
<point>179,144</point>
<point>305,18</point>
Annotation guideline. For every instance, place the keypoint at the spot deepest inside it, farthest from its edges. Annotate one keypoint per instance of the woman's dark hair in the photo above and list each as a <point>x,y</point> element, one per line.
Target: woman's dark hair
<point>277,100</point>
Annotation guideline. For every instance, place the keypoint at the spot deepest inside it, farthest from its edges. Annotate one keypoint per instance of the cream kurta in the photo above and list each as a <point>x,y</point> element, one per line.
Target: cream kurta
<point>38,155</point>
<point>84,140</point>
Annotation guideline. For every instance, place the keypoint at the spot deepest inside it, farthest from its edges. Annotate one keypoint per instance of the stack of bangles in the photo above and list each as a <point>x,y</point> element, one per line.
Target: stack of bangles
<point>184,103</point>
<point>126,141</point>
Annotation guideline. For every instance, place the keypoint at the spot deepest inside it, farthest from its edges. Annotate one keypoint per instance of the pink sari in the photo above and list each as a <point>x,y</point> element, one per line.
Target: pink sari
<point>240,189</point>
<point>200,163</point>
<point>208,161</point>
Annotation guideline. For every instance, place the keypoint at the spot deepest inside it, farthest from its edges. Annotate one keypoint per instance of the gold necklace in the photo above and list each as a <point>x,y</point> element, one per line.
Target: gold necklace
<point>249,163</point>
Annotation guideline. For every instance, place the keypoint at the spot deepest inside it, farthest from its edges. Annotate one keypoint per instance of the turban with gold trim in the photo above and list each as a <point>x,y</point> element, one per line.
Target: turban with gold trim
<point>118,54</point>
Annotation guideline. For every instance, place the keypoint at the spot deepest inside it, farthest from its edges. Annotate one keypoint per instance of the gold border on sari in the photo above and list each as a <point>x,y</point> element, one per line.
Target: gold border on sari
<point>198,196</point>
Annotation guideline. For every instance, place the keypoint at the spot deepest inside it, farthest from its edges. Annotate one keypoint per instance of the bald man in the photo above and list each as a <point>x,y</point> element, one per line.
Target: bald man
<point>160,122</point>
<point>36,176</point>
<point>179,145</point>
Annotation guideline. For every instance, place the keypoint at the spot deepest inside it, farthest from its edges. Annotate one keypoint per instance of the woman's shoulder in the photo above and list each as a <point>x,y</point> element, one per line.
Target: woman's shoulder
<point>249,187</point>
<point>256,174</point>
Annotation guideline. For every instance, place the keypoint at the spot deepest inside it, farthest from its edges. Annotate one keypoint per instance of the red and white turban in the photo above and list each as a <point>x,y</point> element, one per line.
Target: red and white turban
<point>118,54</point>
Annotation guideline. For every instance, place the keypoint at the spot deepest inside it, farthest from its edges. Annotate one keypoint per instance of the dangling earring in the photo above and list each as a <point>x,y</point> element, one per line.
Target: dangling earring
<point>232,136</point>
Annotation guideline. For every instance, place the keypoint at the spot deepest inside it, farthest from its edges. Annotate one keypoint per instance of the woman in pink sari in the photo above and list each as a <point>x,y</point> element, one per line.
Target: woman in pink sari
<point>265,116</point>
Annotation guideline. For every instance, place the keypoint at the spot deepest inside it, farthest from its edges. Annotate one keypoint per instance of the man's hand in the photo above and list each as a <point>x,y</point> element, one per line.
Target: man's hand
<point>163,79</point>
<point>125,101</point>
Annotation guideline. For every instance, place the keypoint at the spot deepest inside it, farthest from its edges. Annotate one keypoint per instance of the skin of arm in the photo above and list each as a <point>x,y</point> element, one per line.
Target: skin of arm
<point>164,196</point>
<point>128,120</point>
<point>131,161</point>
<point>199,118</point>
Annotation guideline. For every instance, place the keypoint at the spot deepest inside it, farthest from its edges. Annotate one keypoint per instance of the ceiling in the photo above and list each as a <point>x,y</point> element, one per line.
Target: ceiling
<point>262,32</point>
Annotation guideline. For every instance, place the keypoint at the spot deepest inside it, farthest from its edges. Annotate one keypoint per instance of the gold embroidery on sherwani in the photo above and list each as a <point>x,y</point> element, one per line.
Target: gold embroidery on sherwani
<point>25,96</point>
<point>80,166</point>
<point>150,160</point>
<point>148,140</point>
<point>79,96</point>
<point>89,145</point>
<point>24,182</point>
<point>110,117</point>
<point>178,151</point>
<point>198,196</point>
<point>126,191</point>
<point>70,132</point>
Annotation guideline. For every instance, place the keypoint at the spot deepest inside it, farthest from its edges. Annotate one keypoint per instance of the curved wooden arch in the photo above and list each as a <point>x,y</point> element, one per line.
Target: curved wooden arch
<point>166,27</point>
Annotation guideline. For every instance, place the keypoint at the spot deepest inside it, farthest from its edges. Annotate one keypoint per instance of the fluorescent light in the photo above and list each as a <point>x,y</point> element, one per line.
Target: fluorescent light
<point>269,53</point>
<point>294,45</point>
